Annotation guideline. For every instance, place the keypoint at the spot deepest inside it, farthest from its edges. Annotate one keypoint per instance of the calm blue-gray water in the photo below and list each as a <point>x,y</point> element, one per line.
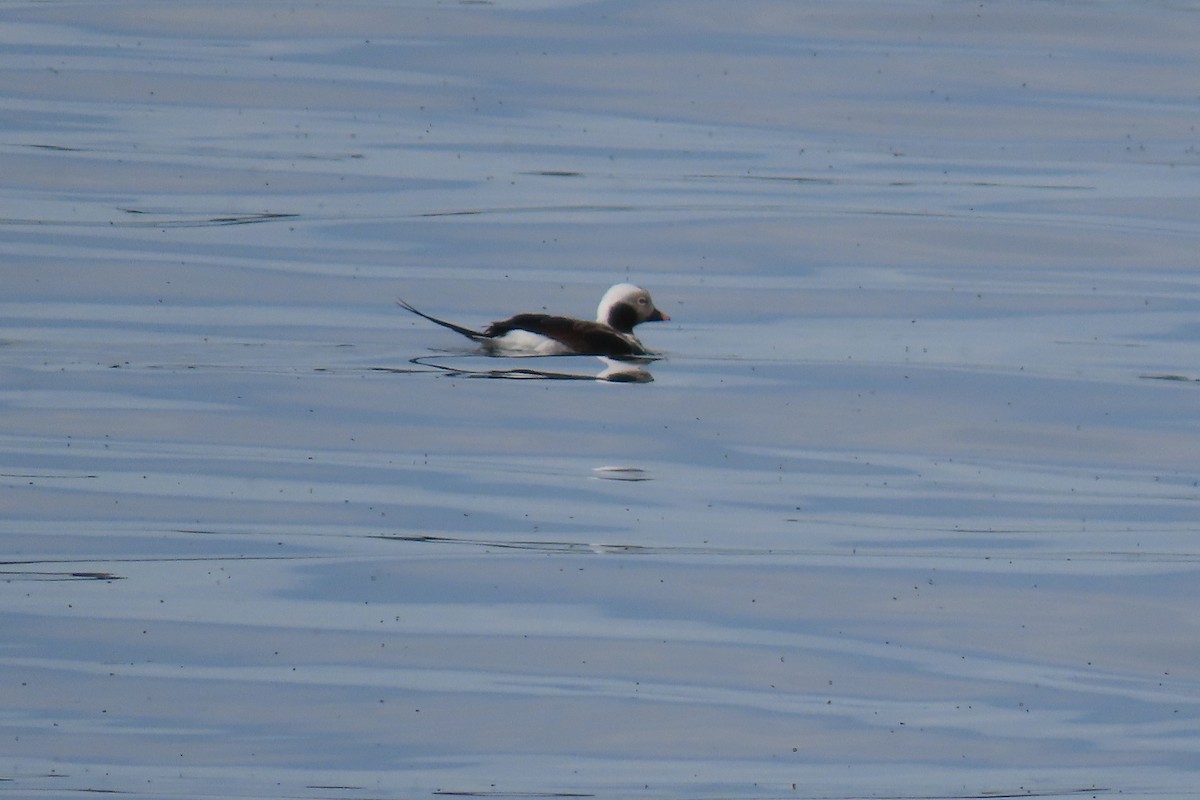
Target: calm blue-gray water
<point>908,508</point>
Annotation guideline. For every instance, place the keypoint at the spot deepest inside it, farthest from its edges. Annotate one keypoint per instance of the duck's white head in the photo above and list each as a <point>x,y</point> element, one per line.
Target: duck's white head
<point>626,305</point>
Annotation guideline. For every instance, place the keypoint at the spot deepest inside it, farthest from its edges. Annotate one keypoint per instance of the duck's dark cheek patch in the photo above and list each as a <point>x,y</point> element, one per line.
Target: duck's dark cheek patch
<point>623,317</point>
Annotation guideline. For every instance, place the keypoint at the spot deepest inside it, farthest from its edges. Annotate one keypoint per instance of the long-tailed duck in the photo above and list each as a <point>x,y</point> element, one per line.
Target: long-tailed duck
<point>622,307</point>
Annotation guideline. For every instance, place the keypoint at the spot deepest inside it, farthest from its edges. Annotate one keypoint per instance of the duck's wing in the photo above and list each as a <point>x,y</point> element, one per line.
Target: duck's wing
<point>580,336</point>
<point>470,334</point>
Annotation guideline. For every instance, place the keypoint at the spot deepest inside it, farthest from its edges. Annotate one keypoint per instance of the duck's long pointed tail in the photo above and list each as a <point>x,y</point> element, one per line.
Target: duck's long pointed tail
<point>474,336</point>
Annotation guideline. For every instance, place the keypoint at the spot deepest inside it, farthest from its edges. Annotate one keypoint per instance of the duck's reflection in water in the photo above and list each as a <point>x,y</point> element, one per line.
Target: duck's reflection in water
<point>614,370</point>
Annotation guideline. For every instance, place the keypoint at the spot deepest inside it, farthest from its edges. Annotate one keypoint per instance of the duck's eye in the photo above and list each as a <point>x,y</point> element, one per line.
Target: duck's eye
<point>641,301</point>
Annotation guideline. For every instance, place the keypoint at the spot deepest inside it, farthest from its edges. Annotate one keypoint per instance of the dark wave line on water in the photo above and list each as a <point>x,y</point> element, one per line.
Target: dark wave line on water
<point>203,222</point>
<point>23,575</point>
<point>602,548</point>
<point>488,793</point>
<point>1172,378</point>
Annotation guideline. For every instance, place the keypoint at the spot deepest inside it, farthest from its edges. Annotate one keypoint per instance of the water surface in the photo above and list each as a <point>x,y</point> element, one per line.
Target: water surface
<point>908,508</point>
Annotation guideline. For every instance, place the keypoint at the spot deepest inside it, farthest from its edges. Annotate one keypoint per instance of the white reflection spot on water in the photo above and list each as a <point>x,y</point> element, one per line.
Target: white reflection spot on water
<point>613,473</point>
